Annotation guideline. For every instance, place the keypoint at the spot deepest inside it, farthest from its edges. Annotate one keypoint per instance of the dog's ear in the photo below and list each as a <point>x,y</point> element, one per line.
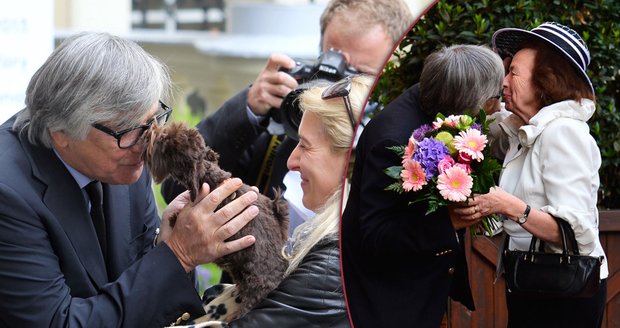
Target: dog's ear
<point>194,182</point>
<point>150,155</point>
<point>211,155</point>
<point>160,158</point>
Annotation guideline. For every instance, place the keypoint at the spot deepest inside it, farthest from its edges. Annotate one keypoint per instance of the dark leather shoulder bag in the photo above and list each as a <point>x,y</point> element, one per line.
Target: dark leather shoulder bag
<point>540,274</point>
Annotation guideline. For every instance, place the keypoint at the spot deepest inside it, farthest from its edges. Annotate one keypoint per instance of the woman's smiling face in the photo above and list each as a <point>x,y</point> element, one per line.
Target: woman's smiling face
<point>320,165</point>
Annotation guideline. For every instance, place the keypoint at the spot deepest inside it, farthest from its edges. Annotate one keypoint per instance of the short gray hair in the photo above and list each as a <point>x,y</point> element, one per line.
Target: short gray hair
<point>459,79</point>
<point>89,78</point>
<point>394,16</point>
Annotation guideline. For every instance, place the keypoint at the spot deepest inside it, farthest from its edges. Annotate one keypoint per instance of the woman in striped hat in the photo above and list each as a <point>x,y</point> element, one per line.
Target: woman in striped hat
<point>551,166</point>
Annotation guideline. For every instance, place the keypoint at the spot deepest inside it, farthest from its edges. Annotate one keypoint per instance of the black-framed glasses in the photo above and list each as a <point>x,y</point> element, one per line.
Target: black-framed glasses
<point>129,137</point>
<point>342,89</point>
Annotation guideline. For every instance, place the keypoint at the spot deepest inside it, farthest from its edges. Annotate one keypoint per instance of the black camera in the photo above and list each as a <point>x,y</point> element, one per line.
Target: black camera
<point>331,66</point>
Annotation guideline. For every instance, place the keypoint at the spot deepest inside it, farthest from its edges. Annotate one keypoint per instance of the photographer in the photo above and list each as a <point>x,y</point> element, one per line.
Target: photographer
<point>251,144</point>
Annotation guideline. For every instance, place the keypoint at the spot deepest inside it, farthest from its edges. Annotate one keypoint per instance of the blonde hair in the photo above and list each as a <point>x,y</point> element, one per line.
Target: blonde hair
<point>336,125</point>
<point>332,112</point>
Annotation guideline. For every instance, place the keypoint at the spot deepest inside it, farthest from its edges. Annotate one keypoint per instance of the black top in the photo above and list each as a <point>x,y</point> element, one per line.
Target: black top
<point>311,296</point>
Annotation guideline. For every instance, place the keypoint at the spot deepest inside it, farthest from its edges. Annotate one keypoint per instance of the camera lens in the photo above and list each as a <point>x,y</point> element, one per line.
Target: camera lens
<point>290,113</point>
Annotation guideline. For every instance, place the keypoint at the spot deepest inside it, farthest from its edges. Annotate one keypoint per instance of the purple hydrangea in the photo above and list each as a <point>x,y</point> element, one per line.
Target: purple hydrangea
<point>420,133</point>
<point>428,153</point>
<point>476,126</point>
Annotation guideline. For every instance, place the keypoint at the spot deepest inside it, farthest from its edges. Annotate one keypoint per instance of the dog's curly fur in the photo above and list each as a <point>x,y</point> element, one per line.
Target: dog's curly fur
<point>179,152</point>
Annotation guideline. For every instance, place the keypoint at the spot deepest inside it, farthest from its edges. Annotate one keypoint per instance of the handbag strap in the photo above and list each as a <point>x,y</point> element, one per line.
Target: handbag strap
<point>570,235</point>
<point>566,232</point>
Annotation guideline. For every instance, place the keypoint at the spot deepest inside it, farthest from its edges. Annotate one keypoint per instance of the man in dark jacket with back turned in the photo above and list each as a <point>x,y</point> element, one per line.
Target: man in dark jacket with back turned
<point>400,265</point>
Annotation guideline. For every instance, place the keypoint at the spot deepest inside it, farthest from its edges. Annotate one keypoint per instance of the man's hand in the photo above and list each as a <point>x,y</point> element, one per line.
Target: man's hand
<point>271,85</point>
<point>173,209</point>
<point>200,232</point>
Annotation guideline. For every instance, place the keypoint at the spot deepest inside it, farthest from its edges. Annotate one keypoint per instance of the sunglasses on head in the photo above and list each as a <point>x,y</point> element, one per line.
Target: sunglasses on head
<point>342,89</point>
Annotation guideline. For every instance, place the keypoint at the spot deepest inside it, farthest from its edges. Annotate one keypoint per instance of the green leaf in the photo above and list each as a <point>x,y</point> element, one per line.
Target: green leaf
<point>394,172</point>
<point>396,186</point>
<point>398,150</point>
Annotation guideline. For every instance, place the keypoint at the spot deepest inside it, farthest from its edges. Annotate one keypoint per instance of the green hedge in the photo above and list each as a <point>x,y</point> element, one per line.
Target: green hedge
<point>473,22</point>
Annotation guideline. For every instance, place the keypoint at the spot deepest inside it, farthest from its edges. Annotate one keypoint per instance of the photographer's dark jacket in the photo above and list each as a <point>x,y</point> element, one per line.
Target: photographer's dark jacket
<point>242,146</point>
<point>399,264</point>
<point>311,296</point>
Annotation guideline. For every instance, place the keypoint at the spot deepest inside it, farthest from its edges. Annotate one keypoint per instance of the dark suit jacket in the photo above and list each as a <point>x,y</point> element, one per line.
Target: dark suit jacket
<point>399,264</point>
<point>52,273</point>
<point>242,147</point>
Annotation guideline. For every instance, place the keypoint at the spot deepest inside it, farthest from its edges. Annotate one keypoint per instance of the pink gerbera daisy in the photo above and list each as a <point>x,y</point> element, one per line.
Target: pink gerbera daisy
<point>465,167</point>
<point>471,142</point>
<point>455,184</point>
<point>409,150</point>
<point>413,176</point>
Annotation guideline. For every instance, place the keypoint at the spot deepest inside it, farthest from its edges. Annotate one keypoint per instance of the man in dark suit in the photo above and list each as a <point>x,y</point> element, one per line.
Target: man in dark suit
<point>78,221</point>
<point>251,144</point>
<point>400,265</point>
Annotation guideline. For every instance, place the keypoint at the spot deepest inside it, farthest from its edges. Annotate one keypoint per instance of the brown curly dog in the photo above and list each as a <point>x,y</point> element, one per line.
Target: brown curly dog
<point>179,152</point>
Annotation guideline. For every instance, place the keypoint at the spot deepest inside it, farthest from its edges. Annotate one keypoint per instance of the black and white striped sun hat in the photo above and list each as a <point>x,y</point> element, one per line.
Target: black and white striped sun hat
<point>563,38</point>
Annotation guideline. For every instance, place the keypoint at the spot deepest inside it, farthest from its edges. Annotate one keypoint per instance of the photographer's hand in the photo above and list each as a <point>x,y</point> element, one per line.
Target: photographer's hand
<point>271,85</point>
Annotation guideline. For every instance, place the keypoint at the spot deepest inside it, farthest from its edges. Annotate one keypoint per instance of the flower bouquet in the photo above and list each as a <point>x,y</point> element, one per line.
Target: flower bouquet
<point>447,161</point>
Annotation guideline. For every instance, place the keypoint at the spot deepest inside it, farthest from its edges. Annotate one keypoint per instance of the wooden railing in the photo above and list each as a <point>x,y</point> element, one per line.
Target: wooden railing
<point>490,298</point>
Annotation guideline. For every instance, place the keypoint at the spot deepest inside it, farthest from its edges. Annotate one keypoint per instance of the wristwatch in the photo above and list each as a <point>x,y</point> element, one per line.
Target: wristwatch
<point>521,219</point>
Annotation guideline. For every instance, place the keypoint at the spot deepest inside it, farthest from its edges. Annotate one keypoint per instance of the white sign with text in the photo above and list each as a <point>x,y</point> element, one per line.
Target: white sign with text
<point>26,40</point>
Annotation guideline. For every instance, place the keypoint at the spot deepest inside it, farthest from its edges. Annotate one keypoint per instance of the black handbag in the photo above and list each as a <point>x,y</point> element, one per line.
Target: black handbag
<point>539,274</point>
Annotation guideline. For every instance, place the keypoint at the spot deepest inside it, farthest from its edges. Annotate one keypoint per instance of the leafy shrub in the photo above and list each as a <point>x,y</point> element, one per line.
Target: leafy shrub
<point>474,22</point>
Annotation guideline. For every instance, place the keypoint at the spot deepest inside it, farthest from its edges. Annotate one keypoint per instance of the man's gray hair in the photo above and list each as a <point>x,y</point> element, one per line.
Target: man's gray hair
<point>90,78</point>
<point>460,78</point>
<point>393,15</point>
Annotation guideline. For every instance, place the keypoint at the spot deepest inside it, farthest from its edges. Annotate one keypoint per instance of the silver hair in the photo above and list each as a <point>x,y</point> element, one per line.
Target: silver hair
<point>460,78</point>
<point>394,16</point>
<point>90,78</point>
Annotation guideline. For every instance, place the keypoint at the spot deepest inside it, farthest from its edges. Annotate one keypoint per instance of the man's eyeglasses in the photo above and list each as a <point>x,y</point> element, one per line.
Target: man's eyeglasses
<point>129,137</point>
<point>342,89</point>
